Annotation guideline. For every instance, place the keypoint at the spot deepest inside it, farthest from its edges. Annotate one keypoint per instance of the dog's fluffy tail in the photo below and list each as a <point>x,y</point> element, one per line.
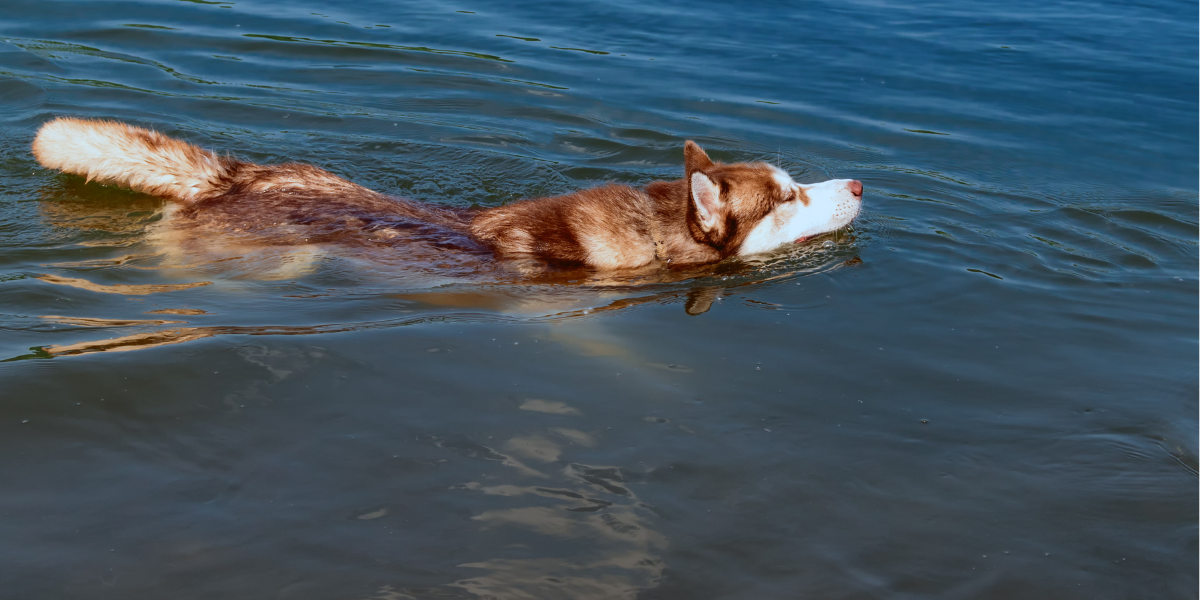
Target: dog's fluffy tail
<point>144,160</point>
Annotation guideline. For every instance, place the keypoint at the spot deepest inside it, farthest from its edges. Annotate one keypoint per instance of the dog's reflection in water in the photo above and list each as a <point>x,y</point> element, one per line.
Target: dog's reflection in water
<point>620,553</point>
<point>554,503</point>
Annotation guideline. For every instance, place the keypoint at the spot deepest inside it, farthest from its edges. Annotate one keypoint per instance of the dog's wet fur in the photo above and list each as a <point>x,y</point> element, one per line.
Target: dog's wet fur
<point>716,211</point>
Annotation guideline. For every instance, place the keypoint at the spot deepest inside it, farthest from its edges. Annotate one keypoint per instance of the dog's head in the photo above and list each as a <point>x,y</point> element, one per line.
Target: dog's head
<point>748,208</point>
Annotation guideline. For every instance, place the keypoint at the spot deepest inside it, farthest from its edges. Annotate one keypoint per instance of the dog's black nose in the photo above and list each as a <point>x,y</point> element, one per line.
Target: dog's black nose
<point>856,187</point>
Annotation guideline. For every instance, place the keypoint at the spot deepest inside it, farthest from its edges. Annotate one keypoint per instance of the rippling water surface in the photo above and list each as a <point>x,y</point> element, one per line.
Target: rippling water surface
<point>987,388</point>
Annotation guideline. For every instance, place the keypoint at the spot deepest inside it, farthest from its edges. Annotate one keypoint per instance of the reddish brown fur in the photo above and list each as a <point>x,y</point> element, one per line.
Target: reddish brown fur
<point>748,191</point>
<point>633,220</point>
<point>607,227</point>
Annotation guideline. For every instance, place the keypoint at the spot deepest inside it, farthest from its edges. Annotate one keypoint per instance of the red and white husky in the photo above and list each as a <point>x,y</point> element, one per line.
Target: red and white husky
<point>714,212</point>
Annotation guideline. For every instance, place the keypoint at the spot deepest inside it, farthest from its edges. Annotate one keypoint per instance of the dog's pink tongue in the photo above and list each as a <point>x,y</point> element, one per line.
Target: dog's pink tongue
<point>802,239</point>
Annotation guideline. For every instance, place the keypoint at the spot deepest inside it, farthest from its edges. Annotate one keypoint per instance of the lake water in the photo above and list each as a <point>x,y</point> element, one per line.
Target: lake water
<point>987,388</point>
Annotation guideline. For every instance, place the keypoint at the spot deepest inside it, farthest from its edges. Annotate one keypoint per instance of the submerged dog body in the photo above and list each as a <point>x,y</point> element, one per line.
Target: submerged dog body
<point>714,212</point>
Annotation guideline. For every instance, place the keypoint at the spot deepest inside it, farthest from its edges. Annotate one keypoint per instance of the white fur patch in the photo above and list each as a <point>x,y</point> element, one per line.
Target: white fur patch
<point>830,206</point>
<point>115,153</point>
<point>785,181</point>
<point>707,199</point>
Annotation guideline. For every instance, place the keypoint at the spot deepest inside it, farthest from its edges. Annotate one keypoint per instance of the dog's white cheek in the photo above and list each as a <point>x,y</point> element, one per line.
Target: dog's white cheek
<point>775,230</point>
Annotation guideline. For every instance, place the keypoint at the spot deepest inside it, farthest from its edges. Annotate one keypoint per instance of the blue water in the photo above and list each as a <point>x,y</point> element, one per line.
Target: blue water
<point>986,389</point>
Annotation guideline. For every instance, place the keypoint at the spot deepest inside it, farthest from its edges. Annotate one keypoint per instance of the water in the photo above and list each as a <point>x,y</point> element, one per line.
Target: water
<point>986,389</point>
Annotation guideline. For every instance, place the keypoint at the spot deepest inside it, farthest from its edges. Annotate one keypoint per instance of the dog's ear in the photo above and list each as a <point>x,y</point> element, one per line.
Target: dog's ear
<point>703,192</point>
<point>694,159</point>
<point>706,197</point>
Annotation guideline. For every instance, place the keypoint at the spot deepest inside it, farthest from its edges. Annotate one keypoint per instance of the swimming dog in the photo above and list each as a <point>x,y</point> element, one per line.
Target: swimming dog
<point>716,211</point>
